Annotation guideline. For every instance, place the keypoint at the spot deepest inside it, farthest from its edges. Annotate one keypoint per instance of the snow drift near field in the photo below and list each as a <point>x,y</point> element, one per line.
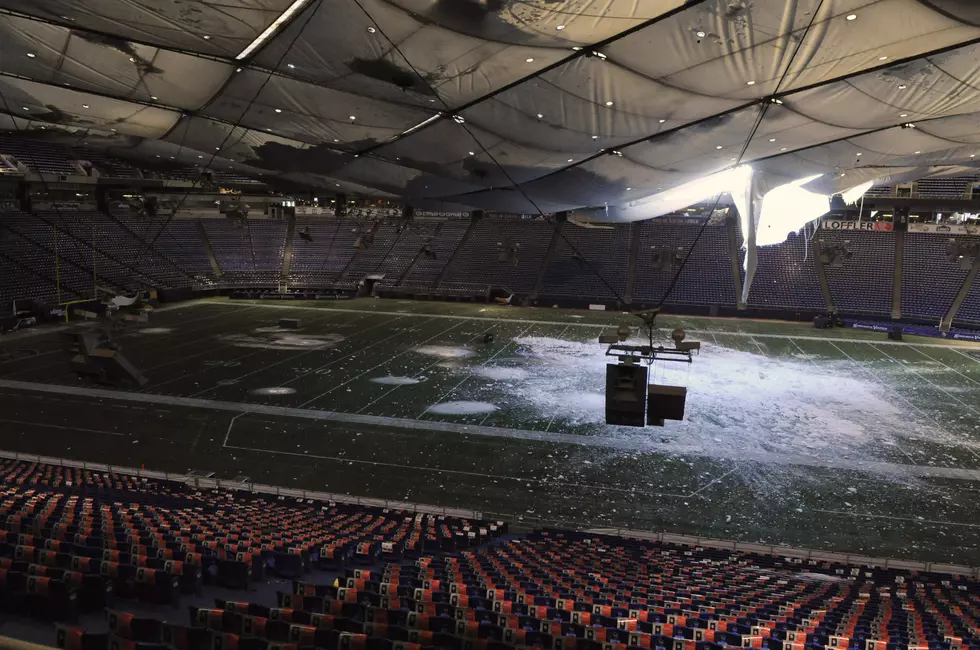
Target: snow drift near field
<point>736,400</point>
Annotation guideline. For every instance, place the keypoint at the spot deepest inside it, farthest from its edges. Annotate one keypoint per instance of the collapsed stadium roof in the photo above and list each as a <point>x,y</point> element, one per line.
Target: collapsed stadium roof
<point>451,103</point>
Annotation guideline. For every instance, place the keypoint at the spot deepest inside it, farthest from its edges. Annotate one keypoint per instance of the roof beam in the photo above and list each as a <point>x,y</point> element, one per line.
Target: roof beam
<point>280,23</point>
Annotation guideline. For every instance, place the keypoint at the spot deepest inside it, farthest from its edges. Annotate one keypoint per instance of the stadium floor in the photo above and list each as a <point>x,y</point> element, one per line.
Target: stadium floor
<point>834,440</point>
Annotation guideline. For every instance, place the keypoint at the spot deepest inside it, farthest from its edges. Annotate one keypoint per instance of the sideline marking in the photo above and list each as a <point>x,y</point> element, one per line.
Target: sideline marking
<point>632,446</point>
<point>64,428</point>
<point>950,345</point>
<point>893,518</point>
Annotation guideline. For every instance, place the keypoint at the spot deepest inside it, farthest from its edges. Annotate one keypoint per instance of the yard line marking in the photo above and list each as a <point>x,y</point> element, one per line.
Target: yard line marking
<point>551,420</point>
<point>943,390</point>
<point>949,436</point>
<point>713,481</point>
<point>415,376</point>
<point>759,345</point>
<point>230,425</point>
<point>912,519</point>
<point>423,468</point>
<point>947,366</point>
<point>208,350</point>
<point>470,375</point>
<point>964,354</point>
<point>373,368</point>
<point>63,428</point>
<point>237,379</point>
<point>435,426</point>
<point>878,379</point>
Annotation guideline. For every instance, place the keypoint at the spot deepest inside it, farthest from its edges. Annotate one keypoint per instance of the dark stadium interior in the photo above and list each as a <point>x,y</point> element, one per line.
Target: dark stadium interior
<point>489,325</point>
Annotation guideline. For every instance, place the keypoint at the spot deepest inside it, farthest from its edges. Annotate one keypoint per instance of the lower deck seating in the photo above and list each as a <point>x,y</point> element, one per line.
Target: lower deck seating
<point>706,278</point>
<point>786,277</point>
<point>589,262</point>
<point>930,281</point>
<point>507,252</point>
<point>560,590</point>
<point>863,283</point>
<point>75,540</point>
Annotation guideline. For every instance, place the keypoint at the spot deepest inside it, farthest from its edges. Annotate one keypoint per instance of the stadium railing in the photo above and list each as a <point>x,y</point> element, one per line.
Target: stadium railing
<point>514,519</point>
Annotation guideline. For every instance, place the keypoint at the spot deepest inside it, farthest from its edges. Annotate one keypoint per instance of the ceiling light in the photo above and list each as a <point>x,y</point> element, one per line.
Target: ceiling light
<point>776,100</point>
<point>171,158</point>
<point>338,184</point>
<point>336,139</point>
<point>904,115</point>
<point>290,66</point>
<point>471,153</point>
<point>882,58</point>
<point>458,119</point>
<point>279,110</point>
<point>200,156</point>
<point>268,129</point>
<point>718,147</point>
<point>352,117</point>
<point>973,155</point>
<point>371,30</point>
<point>25,108</point>
<point>902,87</point>
<point>852,16</point>
<point>662,121</point>
<point>31,55</point>
<point>859,153</point>
<point>207,38</point>
<point>560,27</point>
<point>772,139</point>
<point>917,153</point>
<point>595,137</point>
<point>701,34</point>
<point>540,116</point>
<point>217,148</point>
<point>272,29</point>
<point>609,103</point>
<point>783,149</point>
<point>571,159</point>
<point>84,105</point>
<point>132,60</point>
<point>158,155</point>
<point>617,153</point>
<point>749,83</point>
<point>113,130</point>
<point>628,189</point>
<point>577,48</point>
<point>734,159</point>
<point>529,60</point>
<point>598,55</point>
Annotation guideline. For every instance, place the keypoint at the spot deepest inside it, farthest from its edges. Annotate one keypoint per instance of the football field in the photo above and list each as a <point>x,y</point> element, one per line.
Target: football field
<point>836,440</point>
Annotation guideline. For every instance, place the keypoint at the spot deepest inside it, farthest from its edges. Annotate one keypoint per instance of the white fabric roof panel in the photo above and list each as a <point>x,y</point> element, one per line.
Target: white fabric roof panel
<point>108,66</point>
<point>309,113</point>
<point>664,96</point>
<point>754,42</point>
<point>228,25</point>
<point>74,108</point>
